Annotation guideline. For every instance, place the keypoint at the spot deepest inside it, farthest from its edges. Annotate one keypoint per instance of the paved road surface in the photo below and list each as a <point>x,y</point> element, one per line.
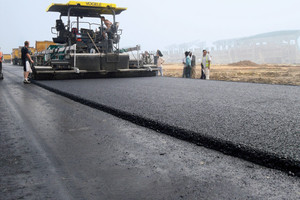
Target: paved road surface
<point>54,148</point>
<point>258,122</point>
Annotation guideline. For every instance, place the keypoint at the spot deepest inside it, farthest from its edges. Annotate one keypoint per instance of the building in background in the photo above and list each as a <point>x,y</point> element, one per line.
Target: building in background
<point>280,47</point>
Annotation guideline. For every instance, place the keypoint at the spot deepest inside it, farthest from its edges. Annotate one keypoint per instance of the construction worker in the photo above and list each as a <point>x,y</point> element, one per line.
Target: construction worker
<point>184,65</point>
<point>206,60</point>
<point>106,22</point>
<point>193,61</point>
<point>108,25</point>
<point>1,59</point>
<point>188,64</point>
<point>160,61</point>
<point>26,59</point>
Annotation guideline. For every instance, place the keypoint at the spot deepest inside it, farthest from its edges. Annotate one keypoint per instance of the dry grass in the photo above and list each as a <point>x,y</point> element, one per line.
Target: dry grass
<point>271,74</point>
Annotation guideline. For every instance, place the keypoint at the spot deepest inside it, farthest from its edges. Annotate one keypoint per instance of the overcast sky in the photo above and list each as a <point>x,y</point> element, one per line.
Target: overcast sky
<point>158,23</point>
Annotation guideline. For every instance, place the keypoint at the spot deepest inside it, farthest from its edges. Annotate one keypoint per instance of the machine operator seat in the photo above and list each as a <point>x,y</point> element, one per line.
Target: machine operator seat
<point>63,33</point>
<point>60,25</point>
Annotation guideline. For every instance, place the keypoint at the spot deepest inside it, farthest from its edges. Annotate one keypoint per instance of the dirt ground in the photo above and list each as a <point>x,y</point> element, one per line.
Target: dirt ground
<point>244,72</point>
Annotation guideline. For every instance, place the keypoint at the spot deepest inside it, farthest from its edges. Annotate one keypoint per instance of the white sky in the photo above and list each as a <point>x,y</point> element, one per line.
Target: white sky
<point>157,23</point>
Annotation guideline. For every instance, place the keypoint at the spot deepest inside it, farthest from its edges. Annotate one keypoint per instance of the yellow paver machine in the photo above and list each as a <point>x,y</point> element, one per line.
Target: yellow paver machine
<point>84,49</point>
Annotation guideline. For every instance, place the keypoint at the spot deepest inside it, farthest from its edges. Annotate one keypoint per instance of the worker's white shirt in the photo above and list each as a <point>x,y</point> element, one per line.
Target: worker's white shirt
<point>204,60</point>
<point>160,61</point>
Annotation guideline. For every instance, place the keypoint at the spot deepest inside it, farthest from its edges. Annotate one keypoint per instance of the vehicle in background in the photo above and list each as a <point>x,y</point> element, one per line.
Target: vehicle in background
<point>41,46</point>
<point>16,55</point>
<point>7,58</point>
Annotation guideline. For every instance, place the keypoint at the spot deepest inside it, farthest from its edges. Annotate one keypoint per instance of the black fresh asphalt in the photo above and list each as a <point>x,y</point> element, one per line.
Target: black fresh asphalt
<point>54,148</point>
<point>257,122</point>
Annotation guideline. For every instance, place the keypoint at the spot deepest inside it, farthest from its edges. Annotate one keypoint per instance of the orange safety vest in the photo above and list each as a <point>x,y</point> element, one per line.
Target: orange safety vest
<point>1,56</point>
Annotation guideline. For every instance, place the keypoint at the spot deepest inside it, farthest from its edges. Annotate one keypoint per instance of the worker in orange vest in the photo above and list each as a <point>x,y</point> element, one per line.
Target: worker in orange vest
<point>1,59</point>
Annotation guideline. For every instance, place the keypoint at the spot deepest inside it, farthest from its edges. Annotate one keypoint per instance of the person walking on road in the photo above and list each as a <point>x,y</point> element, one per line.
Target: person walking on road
<point>188,64</point>
<point>1,59</point>
<point>160,61</point>
<point>206,60</point>
<point>193,65</point>
<point>26,59</point>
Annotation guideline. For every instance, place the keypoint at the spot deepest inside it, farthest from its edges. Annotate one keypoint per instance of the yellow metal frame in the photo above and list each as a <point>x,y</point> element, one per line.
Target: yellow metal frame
<point>85,8</point>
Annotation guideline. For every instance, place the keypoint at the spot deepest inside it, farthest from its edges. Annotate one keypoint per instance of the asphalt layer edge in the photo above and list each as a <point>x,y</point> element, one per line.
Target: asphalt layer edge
<point>267,159</point>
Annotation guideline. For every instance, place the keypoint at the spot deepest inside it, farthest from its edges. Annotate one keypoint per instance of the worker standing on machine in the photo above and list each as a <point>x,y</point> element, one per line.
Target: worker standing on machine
<point>25,60</point>
<point>1,59</point>
<point>108,24</point>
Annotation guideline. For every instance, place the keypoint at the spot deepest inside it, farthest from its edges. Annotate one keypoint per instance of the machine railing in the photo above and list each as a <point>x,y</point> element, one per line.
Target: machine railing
<point>90,24</point>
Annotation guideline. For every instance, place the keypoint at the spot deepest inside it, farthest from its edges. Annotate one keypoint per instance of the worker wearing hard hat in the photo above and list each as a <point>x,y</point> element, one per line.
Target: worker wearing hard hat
<point>1,59</point>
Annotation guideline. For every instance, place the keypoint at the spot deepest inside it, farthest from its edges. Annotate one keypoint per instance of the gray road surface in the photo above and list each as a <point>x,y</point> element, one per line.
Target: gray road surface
<point>258,122</point>
<point>54,148</point>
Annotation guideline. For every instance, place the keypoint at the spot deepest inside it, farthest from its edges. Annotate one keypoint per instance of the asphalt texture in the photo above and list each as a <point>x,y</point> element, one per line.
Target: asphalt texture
<point>257,122</point>
<point>54,148</point>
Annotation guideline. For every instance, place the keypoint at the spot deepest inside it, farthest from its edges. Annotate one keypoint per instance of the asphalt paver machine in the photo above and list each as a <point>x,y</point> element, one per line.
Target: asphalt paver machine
<point>85,52</point>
